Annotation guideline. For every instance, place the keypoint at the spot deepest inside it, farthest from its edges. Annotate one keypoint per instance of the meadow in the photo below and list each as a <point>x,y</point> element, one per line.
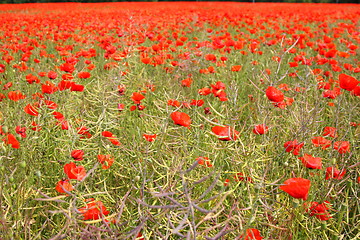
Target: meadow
<point>179,121</point>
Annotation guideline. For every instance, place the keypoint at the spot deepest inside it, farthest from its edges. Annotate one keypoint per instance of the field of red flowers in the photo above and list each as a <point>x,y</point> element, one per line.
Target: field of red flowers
<point>179,121</point>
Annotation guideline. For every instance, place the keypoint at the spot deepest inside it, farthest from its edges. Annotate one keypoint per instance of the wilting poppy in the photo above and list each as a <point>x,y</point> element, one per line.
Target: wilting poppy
<point>93,210</point>
<point>225,133</point>
<point>7,85</point>
<point>21,131</point>
<point>251,234</point>
<point>105,160</point>
<point>332,172</point>
<point>260,129</point>
<point>74,172</point>
<point>274,94</point>
<point>77,154</point>
<point>63,185</point>
<point>293,146</point>
<point>319,210</point>
<point>181,118</point>
<point>347,82</point>
<point>297,187</point>
<point>342,146</point>
<point>149,137</point>
<point>311,162</point>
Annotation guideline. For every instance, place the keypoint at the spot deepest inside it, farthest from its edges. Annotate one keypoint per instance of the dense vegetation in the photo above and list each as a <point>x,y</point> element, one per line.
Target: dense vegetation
<point>179,121</point>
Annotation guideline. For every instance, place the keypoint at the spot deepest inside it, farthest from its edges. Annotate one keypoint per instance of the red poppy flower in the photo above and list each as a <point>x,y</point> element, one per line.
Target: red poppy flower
<point>58,115</point>
<point>181,119</point>
<point>332,172</point>
<point>330,131</point>
<point>93,210</point>
<point>77,155</point>
<point>149,137</point>
<point>204,91</point>
<point>137,97</point>
<point>7,85</point>
<point>347,82</point>
<point>65,84</point>
<point>236,68</point>
<point>173,102</point>
<point>84,75</point>
<point>64,124</point>
<point>36,127</point>
<point>74,172</point>
<point>260,129</point>
<point>67,76</point>
<point>21,131</point>
<point>293,146</point>
<point>84,131</point>
<point>52,75</point>
<point>319,210</point>
<point>2,96</point>
<point>11,139</point>
<point>251,234</point>
<point>67,67</point>
<point>48,87</point>
<point>311,162</point>
<point>107,134</point>
<point>205,161</point>
<point>342,146</point>
<point>332,94</point>
<point>31,109</point>
<point>111,137</point>
<point>76,87</point>
<point>274,94</point>
<point>186,82</point>
<point>239,177</point>
<point>63,185</point>
<point>16,95</point>
<point>50,104</point>
<point>197,103</point>
<point>225,133</point>
<point>121,89</point>
<point>321,142</point>
<point>297,187</point>
<point>105,160</point>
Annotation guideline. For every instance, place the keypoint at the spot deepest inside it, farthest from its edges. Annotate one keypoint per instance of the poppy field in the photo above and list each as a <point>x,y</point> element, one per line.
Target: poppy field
<point>179,121</point>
